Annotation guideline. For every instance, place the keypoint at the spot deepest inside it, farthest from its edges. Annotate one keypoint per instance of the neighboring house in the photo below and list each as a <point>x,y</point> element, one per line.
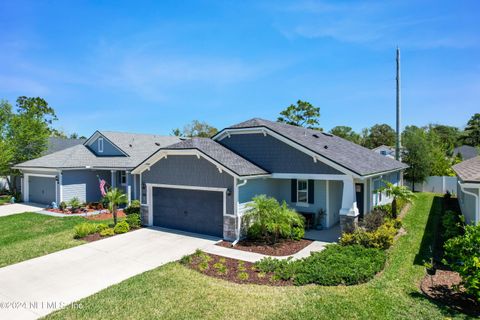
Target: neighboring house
<point>468,191</point>
<point>76,170</point>
<point>203,185</point>
<point>385,151</point>
<point>466,152</point>
<point>54,144</point>
<point>57,144</point>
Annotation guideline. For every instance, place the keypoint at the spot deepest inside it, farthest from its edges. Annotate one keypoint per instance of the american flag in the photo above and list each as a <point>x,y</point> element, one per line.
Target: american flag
<point>102,187</point>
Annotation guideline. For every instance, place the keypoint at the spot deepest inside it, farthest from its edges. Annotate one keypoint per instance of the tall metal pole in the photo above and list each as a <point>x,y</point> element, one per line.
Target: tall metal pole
<point>398,144</point>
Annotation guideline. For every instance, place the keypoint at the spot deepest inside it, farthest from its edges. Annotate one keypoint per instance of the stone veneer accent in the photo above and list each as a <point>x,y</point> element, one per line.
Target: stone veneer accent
<point>229,228</point>
<point>144,214</point>
<point>348,222</point>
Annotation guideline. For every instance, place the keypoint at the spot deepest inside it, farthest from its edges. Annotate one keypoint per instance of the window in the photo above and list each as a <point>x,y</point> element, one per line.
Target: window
<point>100,144</point>
<point>302,191</point>
<point>123,178</point>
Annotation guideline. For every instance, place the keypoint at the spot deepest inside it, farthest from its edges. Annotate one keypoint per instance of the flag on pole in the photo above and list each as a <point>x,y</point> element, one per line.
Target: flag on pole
<point>102,187</point>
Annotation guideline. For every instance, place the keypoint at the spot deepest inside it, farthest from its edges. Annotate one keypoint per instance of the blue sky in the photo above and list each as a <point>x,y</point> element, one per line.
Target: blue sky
<point>151,66</point>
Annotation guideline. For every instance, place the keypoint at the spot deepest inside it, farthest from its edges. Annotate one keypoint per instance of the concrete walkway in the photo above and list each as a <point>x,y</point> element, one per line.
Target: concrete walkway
<point>15,208</point>
<point>36,287</point>
<point>254,257</point>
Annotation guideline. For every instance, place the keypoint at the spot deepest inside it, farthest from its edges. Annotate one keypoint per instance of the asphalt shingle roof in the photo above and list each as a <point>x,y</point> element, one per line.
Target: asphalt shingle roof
<point>222,155</point>
<point>137,146</point>
<point>347,154</point>
<point>56,144</point>
<point>468,170</point>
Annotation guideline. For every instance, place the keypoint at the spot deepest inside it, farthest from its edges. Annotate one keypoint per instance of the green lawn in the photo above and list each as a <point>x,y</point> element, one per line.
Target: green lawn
<point>4,199</point>
<point>174,292</point>
<point>28,235</point>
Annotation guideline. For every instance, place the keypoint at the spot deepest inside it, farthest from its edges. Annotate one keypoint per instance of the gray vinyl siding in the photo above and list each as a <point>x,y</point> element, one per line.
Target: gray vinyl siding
<point>83,184</point>
<point>335,201</point>
<point>189,171</point>
<point>274,155</point>
<point>468,204</point>
<point>108,148</point>
<point>280,189</point>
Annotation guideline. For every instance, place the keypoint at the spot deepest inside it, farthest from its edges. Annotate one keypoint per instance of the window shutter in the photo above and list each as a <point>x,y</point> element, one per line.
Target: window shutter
<point>294,190</point>
<point>311,191</point>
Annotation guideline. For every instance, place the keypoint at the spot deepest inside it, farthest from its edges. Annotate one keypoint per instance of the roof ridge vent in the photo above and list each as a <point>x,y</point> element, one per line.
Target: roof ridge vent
<point>327,134</point>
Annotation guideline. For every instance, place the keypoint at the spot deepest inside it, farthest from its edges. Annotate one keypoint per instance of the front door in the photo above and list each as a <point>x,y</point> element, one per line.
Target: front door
<point>360,190</point>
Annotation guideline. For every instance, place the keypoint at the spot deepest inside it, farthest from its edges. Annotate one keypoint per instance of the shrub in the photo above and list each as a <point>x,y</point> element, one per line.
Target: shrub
<point>84,229</point>
<point>186,260</point>
<point>134,220</point>
<point>101,227</point>
<point>74,203</point>
<point>220,267</point>
<point>269,221</point>
<point>386,208</point>
<point>107,232</point>
<point>451,224</point>
<point>62,206</point>
<point>382,238</point>
<point>242,276</point>
<point>373,220</point>
<point>121,227</point>
<point>462,255</point>
<point>340,265</point>
<point>133,208</point>
<point>333,266</point>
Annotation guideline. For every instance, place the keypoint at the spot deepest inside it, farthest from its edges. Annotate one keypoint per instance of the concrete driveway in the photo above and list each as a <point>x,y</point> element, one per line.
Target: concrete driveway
<point>34,288</point>
<point>9,209</point>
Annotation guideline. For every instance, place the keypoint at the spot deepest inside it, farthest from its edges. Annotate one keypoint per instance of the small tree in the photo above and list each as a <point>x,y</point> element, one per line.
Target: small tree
<point>398,193</point>
<point>269,221</point>
<point>115,198</point>
<point>347,133</point>
<point>196,129</point>
<point>304,114</point>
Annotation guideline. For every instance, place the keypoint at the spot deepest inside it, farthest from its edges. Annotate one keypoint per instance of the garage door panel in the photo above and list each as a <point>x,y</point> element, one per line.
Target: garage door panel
<point>41,189</point>
<point>196,211</point>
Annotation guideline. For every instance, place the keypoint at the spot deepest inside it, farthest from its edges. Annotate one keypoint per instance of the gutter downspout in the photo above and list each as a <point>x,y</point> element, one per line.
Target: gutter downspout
<point>239,220</point>
<point>477,202</point>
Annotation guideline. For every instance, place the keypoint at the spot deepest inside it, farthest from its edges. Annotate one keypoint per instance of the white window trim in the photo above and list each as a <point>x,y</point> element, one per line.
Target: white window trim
<point>302,203</point>
<point>123,174</point>
<point>100,145</point>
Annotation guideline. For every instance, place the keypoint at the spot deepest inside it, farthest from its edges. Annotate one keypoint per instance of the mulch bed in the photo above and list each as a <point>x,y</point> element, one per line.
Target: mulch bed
<point>234,270</point>
<point>282,248</point>
<point>69,211</point>
<point>106,216</point>
<point>439,288</point>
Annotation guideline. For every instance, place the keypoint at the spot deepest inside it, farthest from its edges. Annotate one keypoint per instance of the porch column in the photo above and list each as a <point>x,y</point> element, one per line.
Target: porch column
<point>60,187</point>
<point>113,179</point>
<point>129,188</point>
<point>349,211</point>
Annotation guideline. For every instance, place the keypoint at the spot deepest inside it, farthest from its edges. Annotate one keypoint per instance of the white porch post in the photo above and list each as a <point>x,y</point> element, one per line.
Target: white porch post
<point>113,178</point>
<point>129,188</point>
<point>349,211</point>
<point>60,187</point>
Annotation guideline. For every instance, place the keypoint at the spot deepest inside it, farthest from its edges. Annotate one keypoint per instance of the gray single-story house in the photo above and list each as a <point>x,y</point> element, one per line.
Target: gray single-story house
<point>203,185</point>
<point>75,169</point>
<point>468,190</point>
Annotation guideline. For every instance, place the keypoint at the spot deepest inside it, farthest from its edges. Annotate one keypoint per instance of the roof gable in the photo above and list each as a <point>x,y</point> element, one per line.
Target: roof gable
<point>332,149</point>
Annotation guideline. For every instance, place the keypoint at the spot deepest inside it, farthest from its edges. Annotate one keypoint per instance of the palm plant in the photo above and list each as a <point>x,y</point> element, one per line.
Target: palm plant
<point>401,193</point>
<point>115,198</point>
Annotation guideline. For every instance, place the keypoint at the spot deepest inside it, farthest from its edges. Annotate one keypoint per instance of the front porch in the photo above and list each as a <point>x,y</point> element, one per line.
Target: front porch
<point>330,235</point>
<point>326,203</point>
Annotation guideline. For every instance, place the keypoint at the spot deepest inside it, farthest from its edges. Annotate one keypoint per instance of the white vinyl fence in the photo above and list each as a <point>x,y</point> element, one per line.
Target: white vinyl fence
<point>436,184</point>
